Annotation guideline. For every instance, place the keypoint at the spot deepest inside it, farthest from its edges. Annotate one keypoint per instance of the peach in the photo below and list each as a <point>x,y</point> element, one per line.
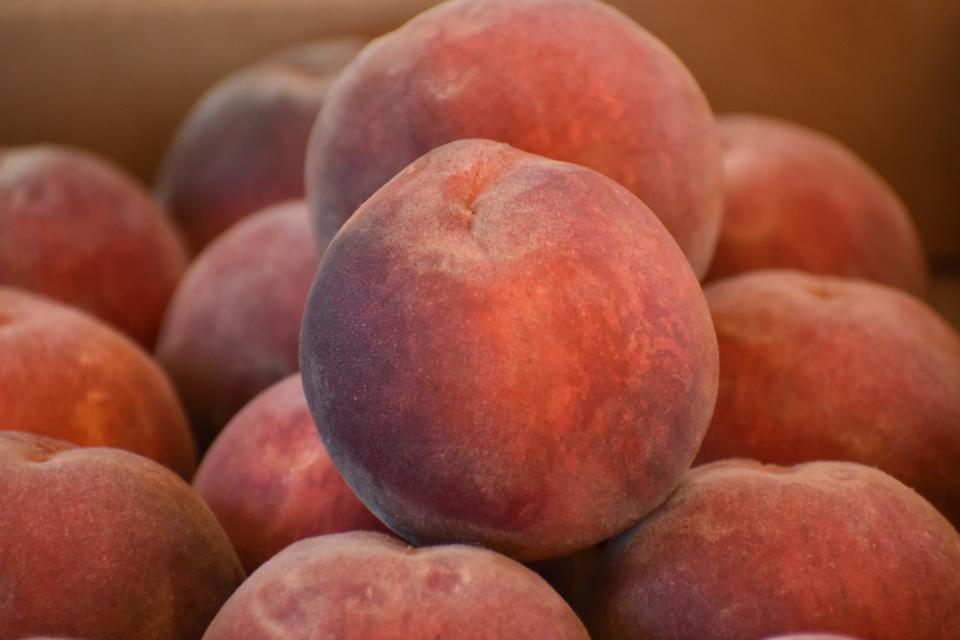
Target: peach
<point>77,229</point>
<point>270,482</point>
<point>233,325</point>
<point>365,586</point>
<point>65,375</point>
<point>745,551</point>
<point>101,543</point>
<point>573,80</point>
<point>508,350</point>
<point>243,145</point>
<point>816,367</point>
<point>797,199</point>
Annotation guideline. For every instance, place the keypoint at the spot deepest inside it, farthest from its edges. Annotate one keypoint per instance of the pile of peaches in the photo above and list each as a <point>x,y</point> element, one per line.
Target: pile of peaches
<point>485,329</point>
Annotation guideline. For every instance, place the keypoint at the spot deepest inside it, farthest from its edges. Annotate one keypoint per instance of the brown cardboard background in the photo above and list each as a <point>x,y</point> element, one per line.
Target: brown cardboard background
<point>116,76</point>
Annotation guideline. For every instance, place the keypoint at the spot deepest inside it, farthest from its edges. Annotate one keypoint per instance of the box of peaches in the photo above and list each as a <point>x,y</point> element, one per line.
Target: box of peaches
<point>490,326</point>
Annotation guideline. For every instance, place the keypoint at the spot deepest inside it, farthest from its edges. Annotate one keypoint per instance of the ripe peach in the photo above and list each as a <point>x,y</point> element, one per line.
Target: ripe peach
<point>233,325</point>
<point>101,543</point>
<point>574,80</point>
<point>65,375</point>
<point>745,551</point>
<point>508,350</point>
<point>362,585</point>
<point>77,229</point>
<point>270,482</point>
<point>822,368</point>
<point>243,145</point>
<point>800,200</point>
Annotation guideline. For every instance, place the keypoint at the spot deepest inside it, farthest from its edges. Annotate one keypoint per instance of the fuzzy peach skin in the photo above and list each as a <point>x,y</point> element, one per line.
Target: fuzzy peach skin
<point>822,368</point>
<point>104,544</point>
<point>77,229</point>
<point>798,199</point>
<point>65,375</point>
<point>233,326</point>
<point>574,80</point>
<point>270,482</point>
<point>243,145</point>
<point>370,586</point>
<point>508,350</point>
<point>742,551</point>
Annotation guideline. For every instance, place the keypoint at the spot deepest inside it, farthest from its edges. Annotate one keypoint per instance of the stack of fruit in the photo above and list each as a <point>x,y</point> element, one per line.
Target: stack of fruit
<point>490,278</point>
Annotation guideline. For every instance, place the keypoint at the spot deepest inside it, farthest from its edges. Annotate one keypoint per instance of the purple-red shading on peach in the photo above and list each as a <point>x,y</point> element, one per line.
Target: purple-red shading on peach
<point>242,147</point>
<point>508,350</point>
